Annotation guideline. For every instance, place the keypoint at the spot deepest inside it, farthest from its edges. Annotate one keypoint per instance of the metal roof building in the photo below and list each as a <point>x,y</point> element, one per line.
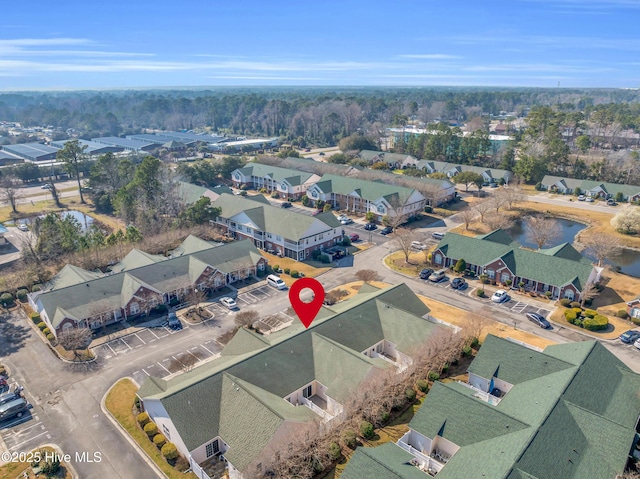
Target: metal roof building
<point>125,143</point>
<point>34,152</point>
<point>93,148</point>
<point>159,139</point>
<point>186,136</point>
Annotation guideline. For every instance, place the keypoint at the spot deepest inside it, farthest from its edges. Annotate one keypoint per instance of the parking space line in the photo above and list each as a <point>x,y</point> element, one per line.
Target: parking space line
<point>109,346</point>
<point>163,367</point>
<point>151,331</point>
<point>143,341</point>
<point>27,428</point>
<point>207,349</point>
<point>126,344</point>
<point>197,358</point>
<point>28,440</point>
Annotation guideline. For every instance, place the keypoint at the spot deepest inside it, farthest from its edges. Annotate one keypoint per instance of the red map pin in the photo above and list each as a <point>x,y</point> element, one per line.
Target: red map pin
<point>307,312</point>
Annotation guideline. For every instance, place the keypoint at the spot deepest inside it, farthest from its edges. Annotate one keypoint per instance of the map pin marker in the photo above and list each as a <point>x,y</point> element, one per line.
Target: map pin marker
<point>307,312</point>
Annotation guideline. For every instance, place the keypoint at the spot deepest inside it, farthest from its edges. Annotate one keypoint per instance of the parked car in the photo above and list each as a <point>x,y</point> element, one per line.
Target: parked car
<point>425,273</point>
<point>630,336</point>
<point>11,395</point>
<point>437,235</point>
<point>285,204</point>
<point>276,281</point>
<point>540,320</point>
<point>174,322</point>
<point>611,202</point>
<point>316,212</point>
<point>346,221</point>
<point>500,296</point>
<point>582,198</point>
<point>45,187</point>
<point>15,408</point>
<point>589,199</point>
<point>637,343</point>
<point>386,230</point>
<point>229,302</point>
<point>458,283</point>
<point>23,227</point>
<point>354,237</point>
<point>342,217</point>
<point>438,276</point>
<point>370,227</point>
<point>418,245</point>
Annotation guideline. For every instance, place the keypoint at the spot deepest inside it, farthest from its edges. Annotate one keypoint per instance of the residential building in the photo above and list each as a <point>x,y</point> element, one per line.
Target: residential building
<point>275,229</point>
<point>286,182</point>
<point>363,196</point>
<point>245,406</point>
<point>190,193</point>
<point>489,175</point>
<point>393,160</point>
<point>496,141</point>
<point>633,308</point>
<point>562,270</point>
<point>568,412</point>
<point>594,189</point>
<point>33,152</point>
<point>76,298</point>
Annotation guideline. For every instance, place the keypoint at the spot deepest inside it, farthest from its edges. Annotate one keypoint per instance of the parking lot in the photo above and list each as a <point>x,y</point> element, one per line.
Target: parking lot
<point>24,433</point>
<point>512,304</point>
<point>133,341</point>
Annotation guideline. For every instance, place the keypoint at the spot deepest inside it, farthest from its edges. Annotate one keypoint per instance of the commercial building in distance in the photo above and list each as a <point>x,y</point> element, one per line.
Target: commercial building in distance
<point>92,148</point>
<point>33,152</point>
<point>125,143</point>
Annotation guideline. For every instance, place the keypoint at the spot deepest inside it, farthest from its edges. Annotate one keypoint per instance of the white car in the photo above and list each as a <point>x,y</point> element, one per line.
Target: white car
<point>418,245</point>
<point>637,343</point>
<point>500,296</point>
<point>582,198</point>
<point>46,187</point>
<point>342,217</point>
<point>346,221</point>
<point>23,227</point>
<point>589,199</point>
<point>229,302</point>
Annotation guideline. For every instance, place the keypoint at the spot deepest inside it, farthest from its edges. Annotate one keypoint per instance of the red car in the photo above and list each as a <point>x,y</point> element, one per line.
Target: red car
<point>354,237</point>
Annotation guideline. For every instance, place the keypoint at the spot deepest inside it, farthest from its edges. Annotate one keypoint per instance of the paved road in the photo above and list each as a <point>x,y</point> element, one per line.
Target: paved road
<point>67,398</point>
<point>560,200</point>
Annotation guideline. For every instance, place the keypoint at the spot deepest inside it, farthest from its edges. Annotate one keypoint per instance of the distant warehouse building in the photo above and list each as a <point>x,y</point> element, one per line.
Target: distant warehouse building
<point>93,148</point>
<point>125,143</point>
<point>255,144</point>
<point>33,152</point>
<point>7,158</point>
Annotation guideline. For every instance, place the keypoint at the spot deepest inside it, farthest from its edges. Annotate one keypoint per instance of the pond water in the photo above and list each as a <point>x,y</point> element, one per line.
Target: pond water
<point>85,220</point>
<point>628,261</point>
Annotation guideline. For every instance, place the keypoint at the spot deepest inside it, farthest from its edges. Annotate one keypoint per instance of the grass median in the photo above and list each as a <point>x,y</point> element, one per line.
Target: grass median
<point>119,403</point>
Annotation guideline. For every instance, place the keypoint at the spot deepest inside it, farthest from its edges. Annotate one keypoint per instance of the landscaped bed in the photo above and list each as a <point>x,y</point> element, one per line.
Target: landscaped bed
<point>19,468</point>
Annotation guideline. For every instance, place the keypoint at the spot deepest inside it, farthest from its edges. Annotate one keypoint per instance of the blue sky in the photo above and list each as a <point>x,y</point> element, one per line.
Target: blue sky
<point>140,43</point>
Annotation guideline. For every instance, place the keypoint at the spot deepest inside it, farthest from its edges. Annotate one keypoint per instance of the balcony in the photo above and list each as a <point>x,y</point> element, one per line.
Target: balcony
<point>318,406</point>
<point>430,465</point>
<point>480,394</point>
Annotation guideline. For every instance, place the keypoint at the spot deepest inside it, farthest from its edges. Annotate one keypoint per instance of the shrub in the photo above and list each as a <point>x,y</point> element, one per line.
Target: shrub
<point>151,429</point>
<point>326,207</point>
<point>475,342</point>
<point>565,302</point>
<point>433,376</point>
<point>410,394</point>
<point>484,279</point>
<point>276,267</point>
<point>159,440</point>
<point>578,311</point>
<point>622,314</point>
<point>635,321</point>
<point>305,200</point>
<point>275,194</point>
<point>169,451</point>
<point>287,270</point>
<point>325,259</point>
<point>7,299</point>
<point>161,309</point>
<point>262,190</point>
<point>570,315</point>
<point>50,337</point>
<point>143,419</point>
<point>422,385</point>
<point>41,325</point>
<point>243,193</point>
<point>35,317</point>
<point>460,266</point>
<point>589,313</point>
<point>575,304</point>
<point>50,468</point>
<point>294,274</point>
<point>480,293</point>
<point>366,429</point>
<point>597,323</point>
<point>315,254</point>
<point>3,370</point>
<point>466,351</point>
<point>21,294</point>
<point>346,241</point>
<point>334,451</point>
<point>384,417</point>
<point>350,439</point>
<point>46,331</point>
<point>579,323</point>
<point>508,282</point>
<point>548,294</point>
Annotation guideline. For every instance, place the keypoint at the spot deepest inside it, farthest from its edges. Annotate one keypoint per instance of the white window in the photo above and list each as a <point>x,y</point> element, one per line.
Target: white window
<point>261,266</point>
<point>438,259</point>
<point>314,194</point>
<point>381,209</point>
<point>212,448</point>
<point>166,432</point>
<point>278,238</point>
<point>504,277</point>
<point>134,308</point>
<point>217,281</point>
<point>569,294</point>
<point>635,313</point>
<point>491,274</point>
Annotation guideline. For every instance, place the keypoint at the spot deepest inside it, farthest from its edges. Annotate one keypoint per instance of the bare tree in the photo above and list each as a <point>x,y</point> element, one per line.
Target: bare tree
<point>467,215</point>
<point>403,238</point>
<point>627,220</point>
<point>497,221</point>
<point>197,296</point>
<point>497,201</point>
<point>76,340</point>
<point>603,247</point>
<point>10,191</point>
<point>589,292</point>
<point>246,318</point>
<point>333,296</point>
<point>368,275</point>
<point>510,195</point>
<point>542,231</point>
<point>482,209</point>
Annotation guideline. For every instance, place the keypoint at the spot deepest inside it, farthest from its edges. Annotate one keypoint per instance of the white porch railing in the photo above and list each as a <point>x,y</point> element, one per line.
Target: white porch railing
<point>197,470</point>
<point>480,394</point>
<point>319,411</point>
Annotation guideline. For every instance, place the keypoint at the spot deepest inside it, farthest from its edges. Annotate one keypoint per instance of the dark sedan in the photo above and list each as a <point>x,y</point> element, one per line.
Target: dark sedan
<point>539,320</point>
<point>386,230</point>
<point>425,273</point>
<point>370,227</point>
<point>458,283</point>
<point>286,204</point>
<point>630,336</point>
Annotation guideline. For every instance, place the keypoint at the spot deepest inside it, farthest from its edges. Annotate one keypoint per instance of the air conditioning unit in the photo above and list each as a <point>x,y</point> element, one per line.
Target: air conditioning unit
<point>222,458</point>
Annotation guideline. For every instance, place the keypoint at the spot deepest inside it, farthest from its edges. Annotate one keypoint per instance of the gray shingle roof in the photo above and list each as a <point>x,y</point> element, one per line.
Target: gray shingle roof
<point>384,462</point>
<point>590,185</point>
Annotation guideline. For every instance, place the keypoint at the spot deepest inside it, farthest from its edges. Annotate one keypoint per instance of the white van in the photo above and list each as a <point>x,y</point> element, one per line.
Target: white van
<point>275,281</point>
<point>437,235</point>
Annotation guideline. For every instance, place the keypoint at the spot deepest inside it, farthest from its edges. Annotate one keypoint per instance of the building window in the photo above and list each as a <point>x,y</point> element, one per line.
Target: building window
<point>306,392</point>
<point>491,274</point>
<point>212,448</point>
<point>314,194</point>
<point>504,277</point>
<point>261,266</point>
<point>569,294</point>
<point>381,209</point>
<point>438,259</point>
<point>134,308</point>
<point>166,432</point>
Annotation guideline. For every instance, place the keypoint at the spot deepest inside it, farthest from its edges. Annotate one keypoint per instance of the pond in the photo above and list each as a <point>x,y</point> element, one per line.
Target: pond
<point>84,219</point>
<point>628,261</point>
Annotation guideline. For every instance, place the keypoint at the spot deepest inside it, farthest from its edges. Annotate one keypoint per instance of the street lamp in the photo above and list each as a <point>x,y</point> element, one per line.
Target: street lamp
<point>483,279</point>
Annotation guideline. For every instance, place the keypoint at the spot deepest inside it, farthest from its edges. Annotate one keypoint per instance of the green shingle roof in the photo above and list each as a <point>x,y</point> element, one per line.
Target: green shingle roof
<point>384,462</point>
<point>135,259</point>
<point>557,266</point>
<point>293,177</point>
<point>69,276</point>
<point>591,185</point>
<point>368,190</point>
<point>288,224</point>
<point>272,367</point>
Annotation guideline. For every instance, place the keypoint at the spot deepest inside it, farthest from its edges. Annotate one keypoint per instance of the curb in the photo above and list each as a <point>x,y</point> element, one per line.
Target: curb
<point>145,457</point>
